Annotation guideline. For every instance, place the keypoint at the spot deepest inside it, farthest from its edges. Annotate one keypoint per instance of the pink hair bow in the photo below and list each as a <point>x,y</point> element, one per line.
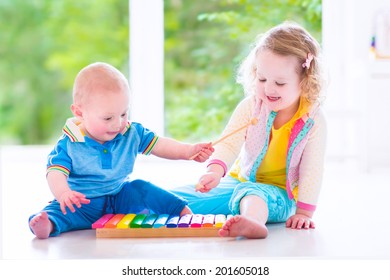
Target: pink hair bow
<point>309,58</point>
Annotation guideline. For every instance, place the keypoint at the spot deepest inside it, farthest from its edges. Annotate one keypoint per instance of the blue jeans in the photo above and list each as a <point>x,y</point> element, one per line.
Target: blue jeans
<point>134,197</point>
<point>226,197</point>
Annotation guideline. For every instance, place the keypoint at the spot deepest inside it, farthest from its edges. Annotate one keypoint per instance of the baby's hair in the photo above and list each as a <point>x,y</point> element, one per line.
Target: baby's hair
<point>287,39</point>
<point>98,77</point>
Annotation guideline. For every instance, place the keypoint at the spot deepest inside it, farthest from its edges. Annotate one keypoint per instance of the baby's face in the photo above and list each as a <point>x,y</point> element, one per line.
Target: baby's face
<point>278,83</point>
<point>105,115</point>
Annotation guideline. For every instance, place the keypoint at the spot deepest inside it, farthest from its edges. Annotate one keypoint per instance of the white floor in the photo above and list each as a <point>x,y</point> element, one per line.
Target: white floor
<point>352,219</point>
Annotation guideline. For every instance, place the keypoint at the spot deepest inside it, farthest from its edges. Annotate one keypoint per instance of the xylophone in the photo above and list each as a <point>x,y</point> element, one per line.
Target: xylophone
<point>158,225</point>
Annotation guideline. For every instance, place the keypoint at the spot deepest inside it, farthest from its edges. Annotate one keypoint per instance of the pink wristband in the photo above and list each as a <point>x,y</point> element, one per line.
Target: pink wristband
<point>306,206</point>
<point>219,162</point>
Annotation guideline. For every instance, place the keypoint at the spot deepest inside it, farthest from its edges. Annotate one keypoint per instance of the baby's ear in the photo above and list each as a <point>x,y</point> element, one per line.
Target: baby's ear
<point>76,110</point>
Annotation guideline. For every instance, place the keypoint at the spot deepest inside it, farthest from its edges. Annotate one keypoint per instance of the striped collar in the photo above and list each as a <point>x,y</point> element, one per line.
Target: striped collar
<point>75,134</point>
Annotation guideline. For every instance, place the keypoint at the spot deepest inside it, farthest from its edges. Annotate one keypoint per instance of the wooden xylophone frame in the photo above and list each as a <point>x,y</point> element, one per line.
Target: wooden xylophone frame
<point>156,232</point>
<point>140,226</point>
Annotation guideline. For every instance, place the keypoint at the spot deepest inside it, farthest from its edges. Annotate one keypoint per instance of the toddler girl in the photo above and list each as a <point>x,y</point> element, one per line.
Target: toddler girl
<point>270,172</point>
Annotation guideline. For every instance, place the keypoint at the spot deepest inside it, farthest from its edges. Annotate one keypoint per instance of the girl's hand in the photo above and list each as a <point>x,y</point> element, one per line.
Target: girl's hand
<point>208,181</point>
<point>68,198</point>
<point>299,221</point>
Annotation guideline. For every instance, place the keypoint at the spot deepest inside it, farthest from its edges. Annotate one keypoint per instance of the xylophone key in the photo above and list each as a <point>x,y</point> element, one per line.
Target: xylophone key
<point>172,222</point>
<point>102,221</point>
<point>196,221</point>
<point>208,220</point>
<point>125,222</point>
<point>184,220</point>
<point>149,221</point>
<point>161,220</point>
<point>137,221</point>
<point>220,219</point>
<point>114,221</point>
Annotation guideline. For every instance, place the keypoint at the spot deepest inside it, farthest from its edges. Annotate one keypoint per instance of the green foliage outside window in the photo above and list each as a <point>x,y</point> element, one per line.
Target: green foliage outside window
<point>45,43</point>
<point>204,44</point>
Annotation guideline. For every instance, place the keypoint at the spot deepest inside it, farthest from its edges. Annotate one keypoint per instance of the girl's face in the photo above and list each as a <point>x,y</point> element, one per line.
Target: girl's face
<point>104,115</point>
<point>278,83</point>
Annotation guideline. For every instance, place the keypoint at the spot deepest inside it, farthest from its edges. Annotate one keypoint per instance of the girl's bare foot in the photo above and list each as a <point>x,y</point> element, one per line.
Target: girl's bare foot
<point>41,225</point>
<point>243,226</point>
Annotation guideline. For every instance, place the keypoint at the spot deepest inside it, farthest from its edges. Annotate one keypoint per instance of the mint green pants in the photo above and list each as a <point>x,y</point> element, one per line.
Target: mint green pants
<point>226,197</point>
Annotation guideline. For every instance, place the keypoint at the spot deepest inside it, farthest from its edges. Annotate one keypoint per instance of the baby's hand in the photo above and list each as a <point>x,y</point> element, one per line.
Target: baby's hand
<point>299,221</point>
<point>207,182</point>
<point>201,152</point>
<point>68,198</point>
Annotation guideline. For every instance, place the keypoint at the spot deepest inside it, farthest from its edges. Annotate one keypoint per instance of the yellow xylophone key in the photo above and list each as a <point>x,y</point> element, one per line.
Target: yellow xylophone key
<point>220,219</point>
<point>125,222</point>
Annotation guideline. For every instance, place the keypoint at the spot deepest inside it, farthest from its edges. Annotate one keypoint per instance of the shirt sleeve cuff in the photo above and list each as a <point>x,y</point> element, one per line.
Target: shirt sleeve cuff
<point>59,168</point>
<point>150,147</point>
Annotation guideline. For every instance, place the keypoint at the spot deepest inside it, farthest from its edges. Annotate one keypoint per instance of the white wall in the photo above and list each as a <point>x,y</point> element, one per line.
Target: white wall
<point>357,96</point>
<point>147,63</point>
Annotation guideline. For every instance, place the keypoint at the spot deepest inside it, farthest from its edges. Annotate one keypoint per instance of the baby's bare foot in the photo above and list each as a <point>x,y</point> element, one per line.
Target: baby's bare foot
<point>41,225</point>
<point>243,226</point>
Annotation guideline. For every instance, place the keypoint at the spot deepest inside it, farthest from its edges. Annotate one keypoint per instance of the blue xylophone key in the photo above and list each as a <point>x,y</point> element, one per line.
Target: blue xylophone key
<point>149,221</point>
<point>172,222</point>
<point>161,220</point>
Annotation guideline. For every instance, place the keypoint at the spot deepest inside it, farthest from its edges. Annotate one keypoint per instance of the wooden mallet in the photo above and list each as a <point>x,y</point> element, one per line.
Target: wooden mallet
<point>253,121</point>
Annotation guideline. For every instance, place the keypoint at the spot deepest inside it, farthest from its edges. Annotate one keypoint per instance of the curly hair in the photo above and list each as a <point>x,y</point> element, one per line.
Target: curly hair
<point>286,39</point>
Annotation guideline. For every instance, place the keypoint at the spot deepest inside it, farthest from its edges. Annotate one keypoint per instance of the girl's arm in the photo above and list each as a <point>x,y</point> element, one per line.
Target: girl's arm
<point>310,179</point>
<point>227,151</point>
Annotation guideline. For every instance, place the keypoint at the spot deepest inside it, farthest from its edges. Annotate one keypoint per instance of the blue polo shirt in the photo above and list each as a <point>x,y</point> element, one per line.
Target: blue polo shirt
<point>96,169</point>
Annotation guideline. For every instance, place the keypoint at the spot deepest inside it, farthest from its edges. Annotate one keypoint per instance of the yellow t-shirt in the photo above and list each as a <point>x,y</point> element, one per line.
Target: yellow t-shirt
<point>272,170</point>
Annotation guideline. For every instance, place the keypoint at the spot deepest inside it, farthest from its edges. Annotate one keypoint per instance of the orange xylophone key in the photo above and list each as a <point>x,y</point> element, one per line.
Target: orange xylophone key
<point>208,220</point>
<point>114,221</point>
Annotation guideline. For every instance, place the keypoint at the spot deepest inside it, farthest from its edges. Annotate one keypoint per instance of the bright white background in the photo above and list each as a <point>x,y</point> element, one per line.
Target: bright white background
<point>358,152</point>
<point>358,97</point>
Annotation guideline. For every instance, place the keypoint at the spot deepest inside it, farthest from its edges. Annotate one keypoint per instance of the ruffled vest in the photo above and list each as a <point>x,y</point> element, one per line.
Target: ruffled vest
<point>257,140</point>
